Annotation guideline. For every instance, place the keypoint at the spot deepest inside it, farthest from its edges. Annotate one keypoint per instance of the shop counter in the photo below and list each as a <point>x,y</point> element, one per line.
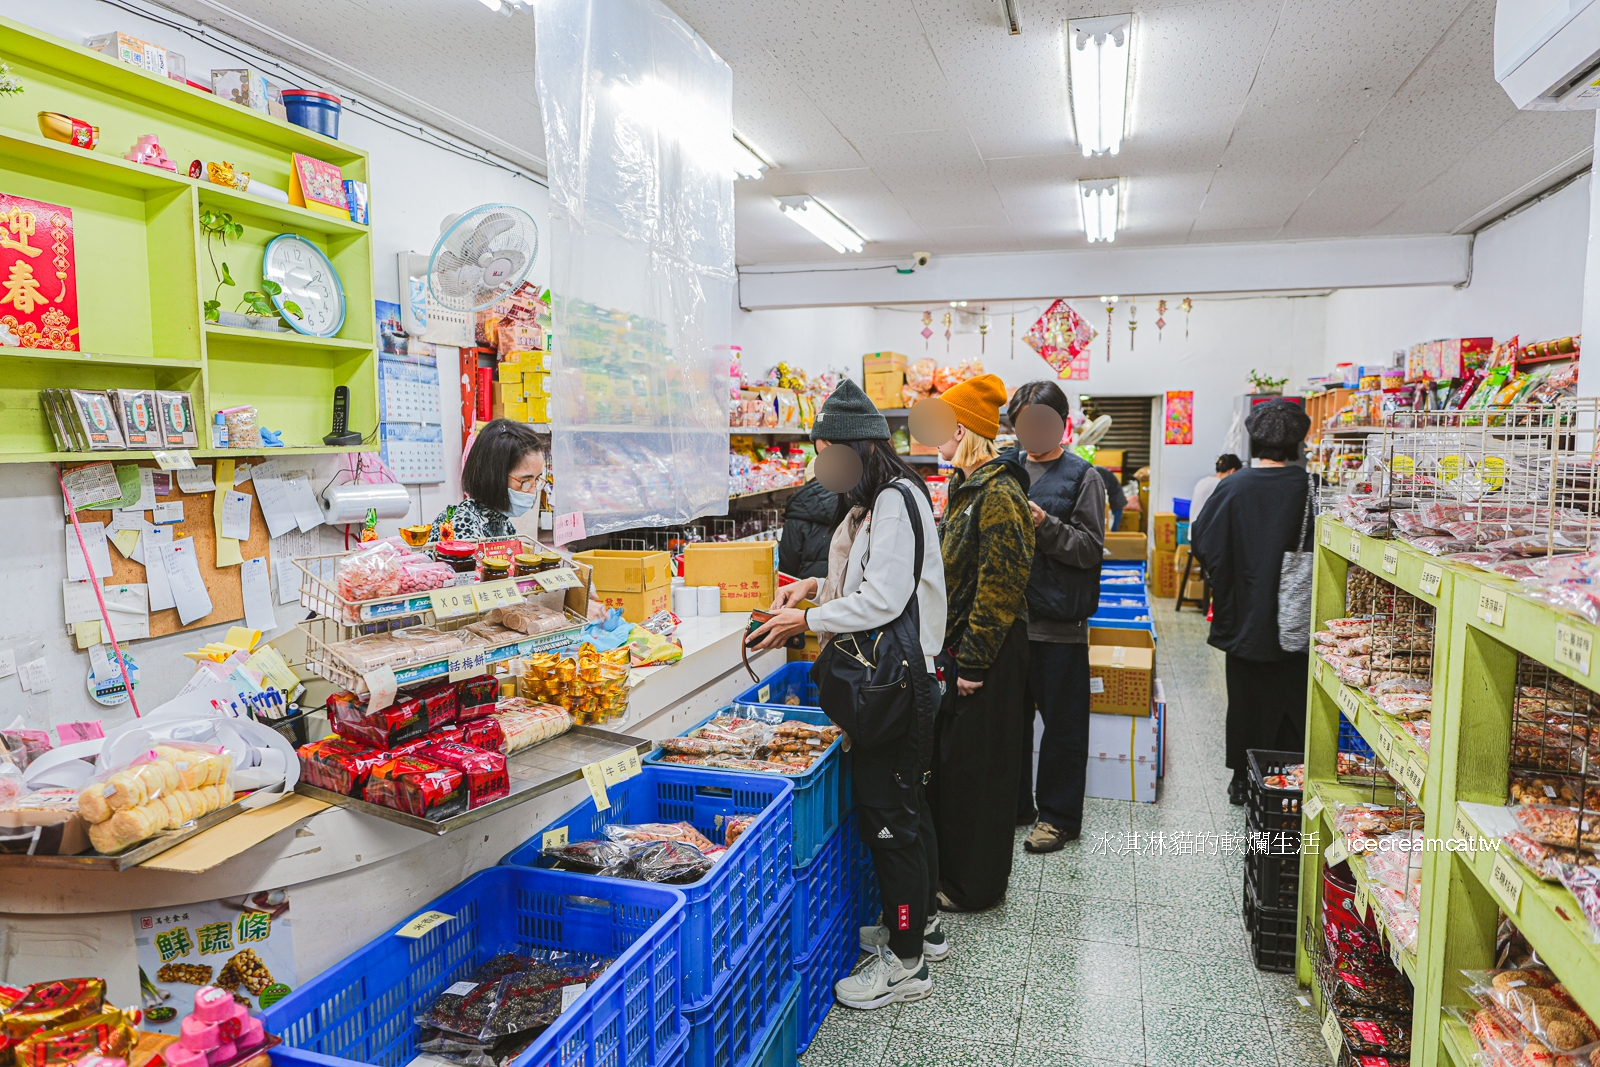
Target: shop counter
<point>350,876</point>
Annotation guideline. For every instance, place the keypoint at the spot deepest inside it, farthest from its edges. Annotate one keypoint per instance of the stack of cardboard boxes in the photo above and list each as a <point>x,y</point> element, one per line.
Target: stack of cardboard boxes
<point>523,391</point>
<point>1164,540</point>
<point>1124,730</point>
<point>883,377</point>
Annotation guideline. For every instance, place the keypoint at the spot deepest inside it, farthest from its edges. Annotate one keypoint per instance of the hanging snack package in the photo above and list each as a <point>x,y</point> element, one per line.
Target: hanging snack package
<point>404,720</point>
<point>417,787</point>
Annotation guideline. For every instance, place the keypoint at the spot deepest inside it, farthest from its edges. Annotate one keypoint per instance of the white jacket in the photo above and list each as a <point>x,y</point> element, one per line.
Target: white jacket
<point>877,581</point>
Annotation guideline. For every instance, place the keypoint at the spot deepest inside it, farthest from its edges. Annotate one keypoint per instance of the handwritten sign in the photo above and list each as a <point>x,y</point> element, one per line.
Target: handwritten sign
<point>561,578</point>
<point>450,602</point>
<point>1332,1036</point>
<point>1348,702</point>
<point>1391,559</point>
<point>1327,535</point>
<point>1363,902</point>
<point>1312,808</point>
<point>1506,882</point>
<point>1414,774</point>
<point>490,595</point>
<point>1355,547</point>
<point>1464,828</point>
<point>381,687</point>
<point>1492,606</point>
<point>1337,852</point>
<point>1573,647</point>
<point>569,527</point>
<point>1385,746</point>
<point>555,838</point>
<point>469,664</point>
<point>596,780</point>
<point>1432,578</point>
<point>422,924</point>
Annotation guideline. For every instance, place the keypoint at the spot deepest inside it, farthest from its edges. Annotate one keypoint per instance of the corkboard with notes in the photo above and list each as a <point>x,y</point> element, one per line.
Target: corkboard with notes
<point>222,583</point>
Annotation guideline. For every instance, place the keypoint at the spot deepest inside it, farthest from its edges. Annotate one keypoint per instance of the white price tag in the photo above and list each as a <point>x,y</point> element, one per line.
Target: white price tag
<point>1391,559</point>
<point>1385,746</point>
<point>1573,646</point>
<point>570,995</point>
<point>1355,547</point>
<point>1432,578</point>
<point>563,578</point>
<point>1337,852</point>
<point>1348,702</point>
<point>1415,775</point>
<point>468,664</point>
<point>1317,667</point>
<point>1363,902</point>
<point>1332,1036</point>
<point>1492,606</point>
<point>461,989</point>
<point>1506,882</point>
<point>1394,952</point>
<point>1312,808</point>
<point>422,924</point>
<point>1463,827</point>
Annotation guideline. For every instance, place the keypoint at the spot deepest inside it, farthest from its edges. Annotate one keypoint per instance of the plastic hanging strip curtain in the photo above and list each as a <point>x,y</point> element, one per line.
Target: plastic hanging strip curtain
<point>638,133</point>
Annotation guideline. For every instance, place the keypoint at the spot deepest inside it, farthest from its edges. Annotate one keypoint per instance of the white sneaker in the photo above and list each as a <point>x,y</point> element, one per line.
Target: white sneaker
<point>883,980</point>
<point>935,947</point>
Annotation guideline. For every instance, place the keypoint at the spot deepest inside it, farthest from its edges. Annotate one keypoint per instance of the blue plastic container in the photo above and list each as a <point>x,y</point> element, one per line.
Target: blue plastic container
<point>1114,598</point>
<point>1183,531</point>
<point>1180,507</point>
<point>1125,614</point>
<point>821,794</point>
<point>317,112</point>
<point>724,910</point>
<point>1351,741</point>
<point>781,1045</point>
<point>361,1010</point>
<point>829,960</point>
<point>730,1028</point>
<point>776,689</point>
<point>822,886</point>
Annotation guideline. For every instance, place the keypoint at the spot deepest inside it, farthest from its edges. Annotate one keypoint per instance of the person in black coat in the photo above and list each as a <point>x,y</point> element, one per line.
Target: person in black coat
<point>808,525</point>
<point>1251,520</point>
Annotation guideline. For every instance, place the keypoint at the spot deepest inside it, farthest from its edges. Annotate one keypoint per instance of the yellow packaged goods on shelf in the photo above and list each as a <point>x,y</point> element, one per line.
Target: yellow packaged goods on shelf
<point>163,789</point>
<point>593,687</point>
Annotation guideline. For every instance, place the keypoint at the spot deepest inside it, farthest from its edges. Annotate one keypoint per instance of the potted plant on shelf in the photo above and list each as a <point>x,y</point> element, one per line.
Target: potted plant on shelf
<point>1266,385</point>
<point>255,310</point>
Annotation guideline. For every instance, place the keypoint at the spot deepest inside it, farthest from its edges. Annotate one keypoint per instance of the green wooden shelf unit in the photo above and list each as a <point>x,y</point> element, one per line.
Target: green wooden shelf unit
<point>1464,770</point>
<point>144,273</point>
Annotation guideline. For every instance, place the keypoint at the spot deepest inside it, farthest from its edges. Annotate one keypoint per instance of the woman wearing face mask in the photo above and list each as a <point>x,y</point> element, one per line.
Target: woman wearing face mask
<point>501,481</point>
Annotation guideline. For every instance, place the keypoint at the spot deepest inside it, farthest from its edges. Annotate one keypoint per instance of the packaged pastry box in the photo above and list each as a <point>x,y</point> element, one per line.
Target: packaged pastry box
<point>46,823</point>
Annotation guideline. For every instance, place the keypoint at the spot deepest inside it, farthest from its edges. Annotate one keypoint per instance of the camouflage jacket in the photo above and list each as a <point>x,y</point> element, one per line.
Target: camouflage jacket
<point>987,544</point>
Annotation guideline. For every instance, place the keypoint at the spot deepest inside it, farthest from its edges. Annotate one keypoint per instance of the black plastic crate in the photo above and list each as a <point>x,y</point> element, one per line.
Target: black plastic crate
<point>1272,933</point>
<point>1274,879</point>
<point>1270,809</point>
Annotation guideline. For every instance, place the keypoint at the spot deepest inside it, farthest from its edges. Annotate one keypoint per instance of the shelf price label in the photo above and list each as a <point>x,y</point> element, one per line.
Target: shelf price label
<point>1362,902</point>
<point>596,780</point>
<point>1492,606</point>
<point>422,924</point>
<point>1312,808</point>
<point>1414,774</point>
<point>1316,668</point>
<point>619,768</point>
<point>1391,559</point>
<point>490,595</point>
<point>1327,534</point>
<point>468,664</point>
<point>1332,1036</point>
<point>1348,702</point>
<point>1337,852</point>
<point>1385,746</point>
<point>555,838</point>
<point>1394,951</point>
<point>1355,547</point>
<point>563,578</point>
<point>1573,647</point>
<point>1464,828</point>
<point>1432,578</point>
<point>452,601</point>
<point>1506,882</point>
<point>177,460</point>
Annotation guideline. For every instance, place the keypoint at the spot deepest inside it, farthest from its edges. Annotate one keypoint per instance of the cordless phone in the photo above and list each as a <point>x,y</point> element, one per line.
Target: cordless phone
<point>341,417</point>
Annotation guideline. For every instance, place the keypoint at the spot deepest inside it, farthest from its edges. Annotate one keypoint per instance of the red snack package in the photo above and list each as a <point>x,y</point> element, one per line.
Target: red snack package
<point>439,704</point>
<point>338,764</point>
<point>400,722</point>
<point>485,771</point>
<point>477,697</point>
<point>484,733</point>
<point>418,787</point>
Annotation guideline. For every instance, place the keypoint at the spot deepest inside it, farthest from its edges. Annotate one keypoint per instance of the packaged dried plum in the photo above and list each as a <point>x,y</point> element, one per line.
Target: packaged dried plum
<point>670,862</point>
<point>462,1008</point>
<point>589,857</point>
<point>402,721</point>
<point>476,697</point>
<point>1376,1034</point>
<point>485,771</point>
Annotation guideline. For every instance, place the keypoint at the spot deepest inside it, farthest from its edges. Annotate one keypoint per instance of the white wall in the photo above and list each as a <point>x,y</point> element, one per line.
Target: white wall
<point>413,186</point>
<point>1527,281</point>
<point>1228,338</point>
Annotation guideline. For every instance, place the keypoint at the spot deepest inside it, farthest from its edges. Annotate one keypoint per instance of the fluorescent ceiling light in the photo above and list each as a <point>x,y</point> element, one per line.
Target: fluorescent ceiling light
<point>746,161</point>
<point>1097,64</point>
<point>492,5</point>
<point>1100,201</point>
<point>823,224</point>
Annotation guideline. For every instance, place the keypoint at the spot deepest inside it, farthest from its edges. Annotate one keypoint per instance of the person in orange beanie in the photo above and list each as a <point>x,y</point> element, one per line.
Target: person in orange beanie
<point>987,542</point>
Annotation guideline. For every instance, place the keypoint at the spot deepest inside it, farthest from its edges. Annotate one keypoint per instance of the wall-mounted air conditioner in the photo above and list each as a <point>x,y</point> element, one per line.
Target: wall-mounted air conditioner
<point>1547,53</point>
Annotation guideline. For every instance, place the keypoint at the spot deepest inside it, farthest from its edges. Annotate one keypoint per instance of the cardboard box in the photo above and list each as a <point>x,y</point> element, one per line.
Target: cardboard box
<point>640,583</point>
<point>1127,546</point>
<point>883,388</point>
<point>527,360</point>
<point>1163,582</point>
<point>1120,677</point>
<point>1195,590</point>
<point>245,87</point>
<point>1164,526</point>
<point>1109,458</point>
<point>131,50</point>
<point>1124,758</point>
<point>747,571</point>
<point>538,408</point>
<point>507,373</point>
<point>1130,520</point>
<point>536,384</point>
<point>874,362</point>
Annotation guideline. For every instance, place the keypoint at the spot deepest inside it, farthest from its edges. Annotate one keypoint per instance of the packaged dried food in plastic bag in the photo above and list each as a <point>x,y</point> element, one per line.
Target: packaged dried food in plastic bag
<point>525,723</point>
<point>700,746</point>
<point>1563,827</point>
<point>1378,1034</point>
<point>1529,999</point>
<point>463,1008</point>
<point>1584,885</point>
<point>530,618</point>
<point>734,827</point>
<point>485,771</point>
<point>633,833</point>
<point>483,733</point>
<point>1386,992</point>
<point>109,1033</point>
<point>440,704</point>
<point>402,721</point>
<point>338,764</point>
<point>1351,627</point>
<point>588,857</point>
<point>417,787</point>
<point>1532,787</point>
<point>45,1005</point>
<point>476,697</point>
<point>1547,861</point>
<point>163,788</point>
<point>670,862</point>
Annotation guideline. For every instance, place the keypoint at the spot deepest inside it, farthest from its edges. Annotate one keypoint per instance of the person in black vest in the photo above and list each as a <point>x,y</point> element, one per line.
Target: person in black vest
<point>1068,502</point>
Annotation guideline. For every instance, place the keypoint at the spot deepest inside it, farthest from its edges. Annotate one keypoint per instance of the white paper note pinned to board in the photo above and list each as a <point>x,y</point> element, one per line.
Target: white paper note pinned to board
<point>256,586</point>
<point>198,480</point>
<point>94,538</point>
<point>284,551</point>
<point>236,516</point>
<point>167,512</point>
<point>78,602</point>
<point>189,592</point>
<point>276,507</point>
<point>128,607</point>
<point>307,515</point>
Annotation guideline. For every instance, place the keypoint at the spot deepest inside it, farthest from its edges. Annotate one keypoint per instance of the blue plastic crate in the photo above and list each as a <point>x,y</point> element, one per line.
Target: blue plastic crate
<point>728,1030</point>
<point>1124,600</point>
<point>724,909</point>
<point>1351,741</point>
<point>1131,614</point>
<point>821,794</point>
<point>822,886</point>
<point>829,960</point>
<point>361,1010</point>
<point>868,905</point>
<point>775,690</point>
<point>781,1046</point>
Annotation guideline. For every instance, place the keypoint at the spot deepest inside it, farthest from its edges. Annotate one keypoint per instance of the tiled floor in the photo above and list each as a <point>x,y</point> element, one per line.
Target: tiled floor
<point>1097,959</point>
